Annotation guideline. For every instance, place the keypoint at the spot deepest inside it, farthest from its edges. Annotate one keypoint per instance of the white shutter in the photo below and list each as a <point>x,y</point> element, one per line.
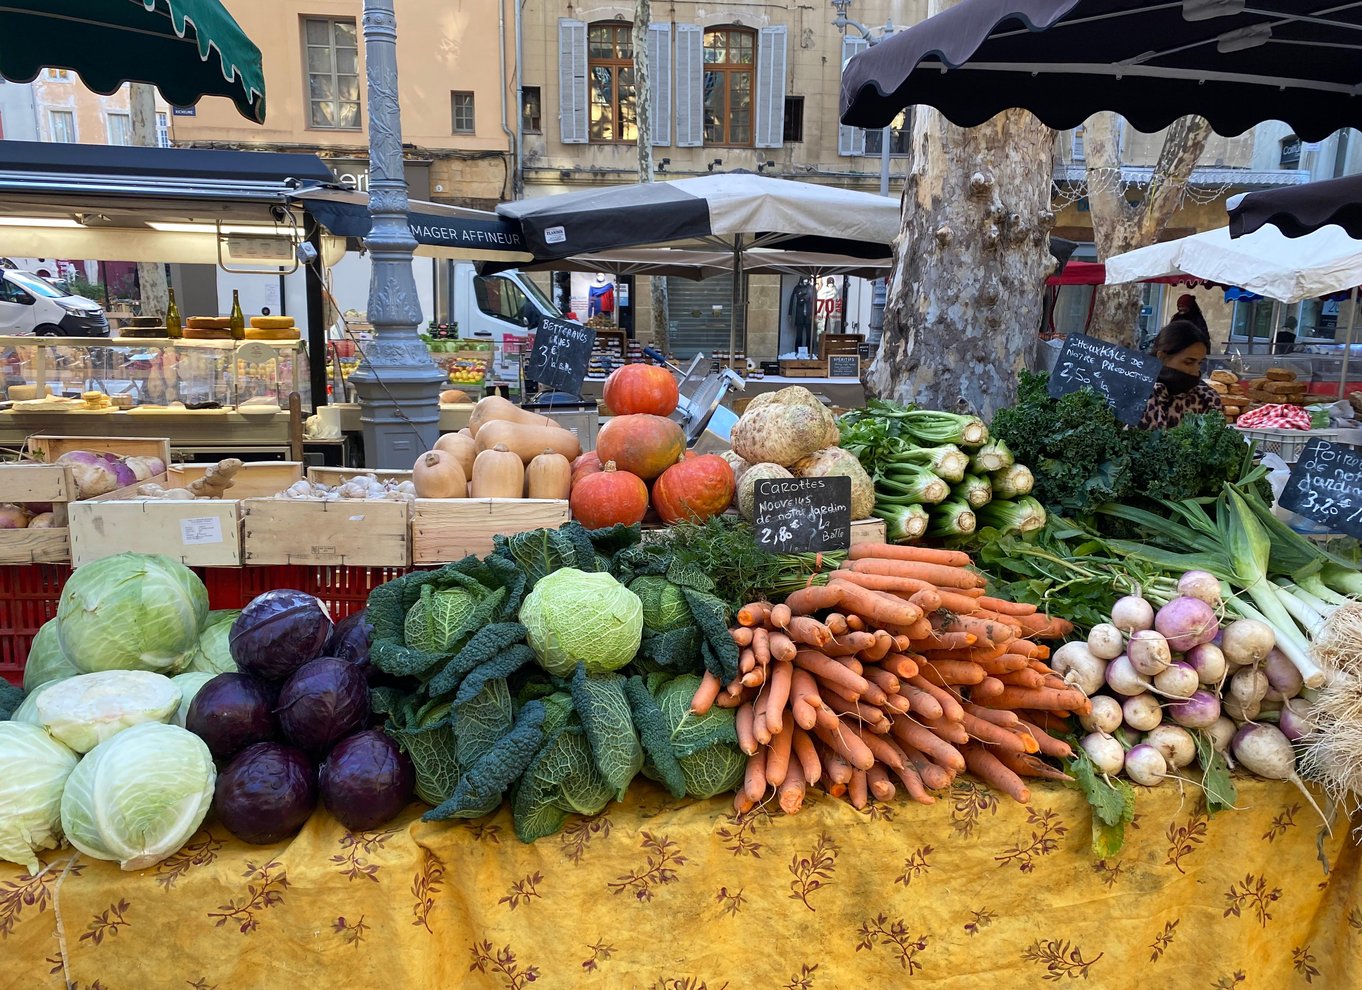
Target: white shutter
<point>851,140</point>
<point>690,86</point>
<point>572,80</point>
<point>770,96</point>
<point>660,79</point>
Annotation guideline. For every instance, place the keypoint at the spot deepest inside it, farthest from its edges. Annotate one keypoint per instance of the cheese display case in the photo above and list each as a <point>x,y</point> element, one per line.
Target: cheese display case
<point>205,394</point>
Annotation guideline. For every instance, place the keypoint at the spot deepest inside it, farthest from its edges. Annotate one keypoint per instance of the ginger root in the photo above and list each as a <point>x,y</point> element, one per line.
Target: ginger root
<point>217,479</point>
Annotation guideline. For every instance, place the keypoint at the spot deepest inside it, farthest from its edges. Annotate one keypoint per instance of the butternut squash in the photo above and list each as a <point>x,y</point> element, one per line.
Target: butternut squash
<point>493,408</point>
<point>463,447</point>
<point>550,476</point>
<point>498,473</point>
<point>438,474</point>
<point>529,441</point>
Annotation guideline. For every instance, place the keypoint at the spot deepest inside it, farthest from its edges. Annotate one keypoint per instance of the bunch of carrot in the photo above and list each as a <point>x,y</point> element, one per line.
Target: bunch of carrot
<point>899,672</point>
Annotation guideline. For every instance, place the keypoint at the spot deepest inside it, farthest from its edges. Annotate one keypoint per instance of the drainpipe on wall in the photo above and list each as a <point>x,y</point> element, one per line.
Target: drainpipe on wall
<point>518,182</point>
<point>501,53</point>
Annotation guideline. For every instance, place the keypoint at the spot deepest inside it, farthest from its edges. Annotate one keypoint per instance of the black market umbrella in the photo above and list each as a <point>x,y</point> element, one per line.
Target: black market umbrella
<point>1235,63</point>
<point>1300,210</point>
<point>187,49</point>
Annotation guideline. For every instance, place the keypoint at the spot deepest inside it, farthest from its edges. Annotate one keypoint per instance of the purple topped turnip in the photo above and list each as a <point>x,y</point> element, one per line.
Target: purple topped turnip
<point>1186,622</point>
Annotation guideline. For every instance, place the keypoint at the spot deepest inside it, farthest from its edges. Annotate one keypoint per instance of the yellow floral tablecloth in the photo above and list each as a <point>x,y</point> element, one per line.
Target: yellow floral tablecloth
<point>657,893</point>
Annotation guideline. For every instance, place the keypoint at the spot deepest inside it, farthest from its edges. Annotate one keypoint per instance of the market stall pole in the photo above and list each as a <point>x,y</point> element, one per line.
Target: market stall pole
<point>397,382</point>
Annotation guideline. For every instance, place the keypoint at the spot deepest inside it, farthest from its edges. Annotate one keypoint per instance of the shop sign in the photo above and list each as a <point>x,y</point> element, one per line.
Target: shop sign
<point>1122,376</point>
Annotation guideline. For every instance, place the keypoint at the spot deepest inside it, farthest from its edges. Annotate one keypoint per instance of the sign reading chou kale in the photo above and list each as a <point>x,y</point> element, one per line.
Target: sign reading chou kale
<point>803,515</point>
<point>1326,486</point>
<point>561,355</point>
<point>1124,377</point>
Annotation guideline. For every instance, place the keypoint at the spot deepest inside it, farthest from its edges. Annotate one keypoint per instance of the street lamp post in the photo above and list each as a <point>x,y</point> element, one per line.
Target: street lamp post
<point>397,382</point>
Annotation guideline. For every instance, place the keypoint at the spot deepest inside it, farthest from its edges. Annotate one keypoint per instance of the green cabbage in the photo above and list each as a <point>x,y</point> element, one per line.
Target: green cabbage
<point>28,711</point>
<point>213,655</point>
<point>138,797</point>
<point>439,621</point>
<point>189,683</point>
<point>664,604</point>
<point>33,771</point>
<point>132,611</point>
<point>85,710</point>
<point>562,778</point>
<point>46,661</point>
<point>575,617</point>
<point>694,755</point>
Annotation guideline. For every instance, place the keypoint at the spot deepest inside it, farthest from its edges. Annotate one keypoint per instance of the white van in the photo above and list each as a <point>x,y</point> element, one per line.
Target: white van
<point>502,308</point>
<point>29,304</point>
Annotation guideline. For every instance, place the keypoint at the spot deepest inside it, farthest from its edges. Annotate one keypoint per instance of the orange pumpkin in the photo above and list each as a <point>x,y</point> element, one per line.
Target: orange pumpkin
<point>641,388</point>
<point>642,444</point>
<point>694,489</point>
<point>588,463</point>
<point>608,497</point>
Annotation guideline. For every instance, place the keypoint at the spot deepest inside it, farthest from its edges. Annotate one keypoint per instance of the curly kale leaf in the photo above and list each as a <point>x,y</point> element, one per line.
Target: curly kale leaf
<point>561,779</point>
<point>481,788</point>
<point>11,698</point>
<point>604,710</point>
<point>487,642</point>
<point>656,736</point>
<point>1192,460</point>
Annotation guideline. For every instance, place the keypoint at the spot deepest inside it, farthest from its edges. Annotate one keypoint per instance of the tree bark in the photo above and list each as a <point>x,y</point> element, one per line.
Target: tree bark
<point>151,276</point>
<point>964,299</point>
<point>1119,225</point>
<point>643,115</point>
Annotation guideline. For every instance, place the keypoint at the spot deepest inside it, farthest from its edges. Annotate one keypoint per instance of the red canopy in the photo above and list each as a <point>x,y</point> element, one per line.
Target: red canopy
<point>1095,273</point>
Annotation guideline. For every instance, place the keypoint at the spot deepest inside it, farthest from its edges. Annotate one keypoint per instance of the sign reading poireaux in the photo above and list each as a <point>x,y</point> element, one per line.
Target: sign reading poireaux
<point>1124,377</point>
<point>803,515</point>
<point>1326,486</point>
<point>562,353</point>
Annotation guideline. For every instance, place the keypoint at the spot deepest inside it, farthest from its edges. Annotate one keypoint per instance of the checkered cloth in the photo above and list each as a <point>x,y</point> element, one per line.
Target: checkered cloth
<point>1276,417</point>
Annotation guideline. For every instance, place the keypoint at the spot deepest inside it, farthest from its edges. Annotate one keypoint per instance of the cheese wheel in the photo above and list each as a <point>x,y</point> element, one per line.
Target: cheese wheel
<point>205,333</point>
<point>272,333</point>
<point>271,322</point>
<point>209,322</point>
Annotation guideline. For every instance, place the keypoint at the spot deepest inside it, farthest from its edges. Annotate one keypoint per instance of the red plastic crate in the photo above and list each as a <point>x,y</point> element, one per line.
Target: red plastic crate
<point>29,595</point>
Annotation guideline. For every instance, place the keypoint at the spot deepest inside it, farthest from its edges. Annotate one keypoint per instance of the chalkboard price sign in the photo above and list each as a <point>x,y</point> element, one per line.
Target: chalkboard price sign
<point>562,352</point>
<point>1326,486</point>
<point>844,366</point>
<point>1125,378</point>
<point>803,515</point>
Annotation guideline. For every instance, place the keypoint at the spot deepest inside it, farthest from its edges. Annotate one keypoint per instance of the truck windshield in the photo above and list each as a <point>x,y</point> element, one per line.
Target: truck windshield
<point>34,285</point>
<point>539,297</point>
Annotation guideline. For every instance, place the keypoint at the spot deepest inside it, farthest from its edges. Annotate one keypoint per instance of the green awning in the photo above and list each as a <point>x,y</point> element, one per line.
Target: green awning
<point>187,49</point>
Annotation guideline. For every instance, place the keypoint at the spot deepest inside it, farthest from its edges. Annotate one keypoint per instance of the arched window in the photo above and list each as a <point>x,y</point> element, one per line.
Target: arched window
<point>730,76</point>
<point>610,76</point>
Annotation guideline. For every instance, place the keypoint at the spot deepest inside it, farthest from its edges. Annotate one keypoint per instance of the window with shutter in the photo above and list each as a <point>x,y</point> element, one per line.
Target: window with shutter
<point>660,69</point>
<point>771,87</point>
<point>851,140</point>
<point>690,86</point>
<point>572,80</point>
<point>730,86</point>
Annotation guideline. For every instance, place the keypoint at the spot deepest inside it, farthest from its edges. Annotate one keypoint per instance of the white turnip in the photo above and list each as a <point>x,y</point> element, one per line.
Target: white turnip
<point>1105,716</point>
<point>1200,585</point>
<point>1142,712</point>
<point>1123,678</point>
<point>1178,681</point>
<point>1248,686</point>
<point>1145,765</point>
<point>43,520</point>
<point>1198,712</point>
<point>1075,663</point>
<point>1104,751</point>
<point>1247,642</point>
<point>1131,614</point>
<point>1264,750</point>
<point>1174,743</point>
<point>1105,641</point>
<point>1221,733</point>
<point>1208,661</point>
<point>1187,622</point>
<point>1149,652</point>
<point>1241,712</point>
<point>1283,679</point>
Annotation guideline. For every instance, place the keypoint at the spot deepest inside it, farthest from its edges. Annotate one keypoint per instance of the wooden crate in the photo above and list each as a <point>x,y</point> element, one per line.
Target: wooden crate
<point>839,343</point>
<point>205,532</point>
<point>803,368</point>
<point>24,483</point>
<point>334,476</point>
<point>346,532</point>
<point>49,448</point>
<point>868,531</point>
<point>449,529</point>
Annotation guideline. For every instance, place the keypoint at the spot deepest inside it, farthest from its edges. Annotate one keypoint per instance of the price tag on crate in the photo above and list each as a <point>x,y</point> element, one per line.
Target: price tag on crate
<point>1124,377</point>
<point>561,355</point>
<point>803,515</point>
<point>1326,486</point>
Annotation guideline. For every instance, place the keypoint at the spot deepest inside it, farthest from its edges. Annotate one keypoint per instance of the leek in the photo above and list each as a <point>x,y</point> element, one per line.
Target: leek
<point>903,523</point>
<point>1013,482</point>
<point>953,517</point>
<point>976,489</point>
<point>994,456</point>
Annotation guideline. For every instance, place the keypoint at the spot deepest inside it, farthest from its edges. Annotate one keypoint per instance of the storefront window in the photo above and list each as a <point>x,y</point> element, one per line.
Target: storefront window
<point>610,71</point>
<point>730,64</point>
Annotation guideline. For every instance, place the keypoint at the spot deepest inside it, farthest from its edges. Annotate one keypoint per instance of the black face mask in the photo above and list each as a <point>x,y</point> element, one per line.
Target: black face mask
<point>1178,382</point>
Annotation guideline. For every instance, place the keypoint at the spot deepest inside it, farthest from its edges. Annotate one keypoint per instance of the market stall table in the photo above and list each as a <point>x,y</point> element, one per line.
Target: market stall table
<point>662,893</point>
